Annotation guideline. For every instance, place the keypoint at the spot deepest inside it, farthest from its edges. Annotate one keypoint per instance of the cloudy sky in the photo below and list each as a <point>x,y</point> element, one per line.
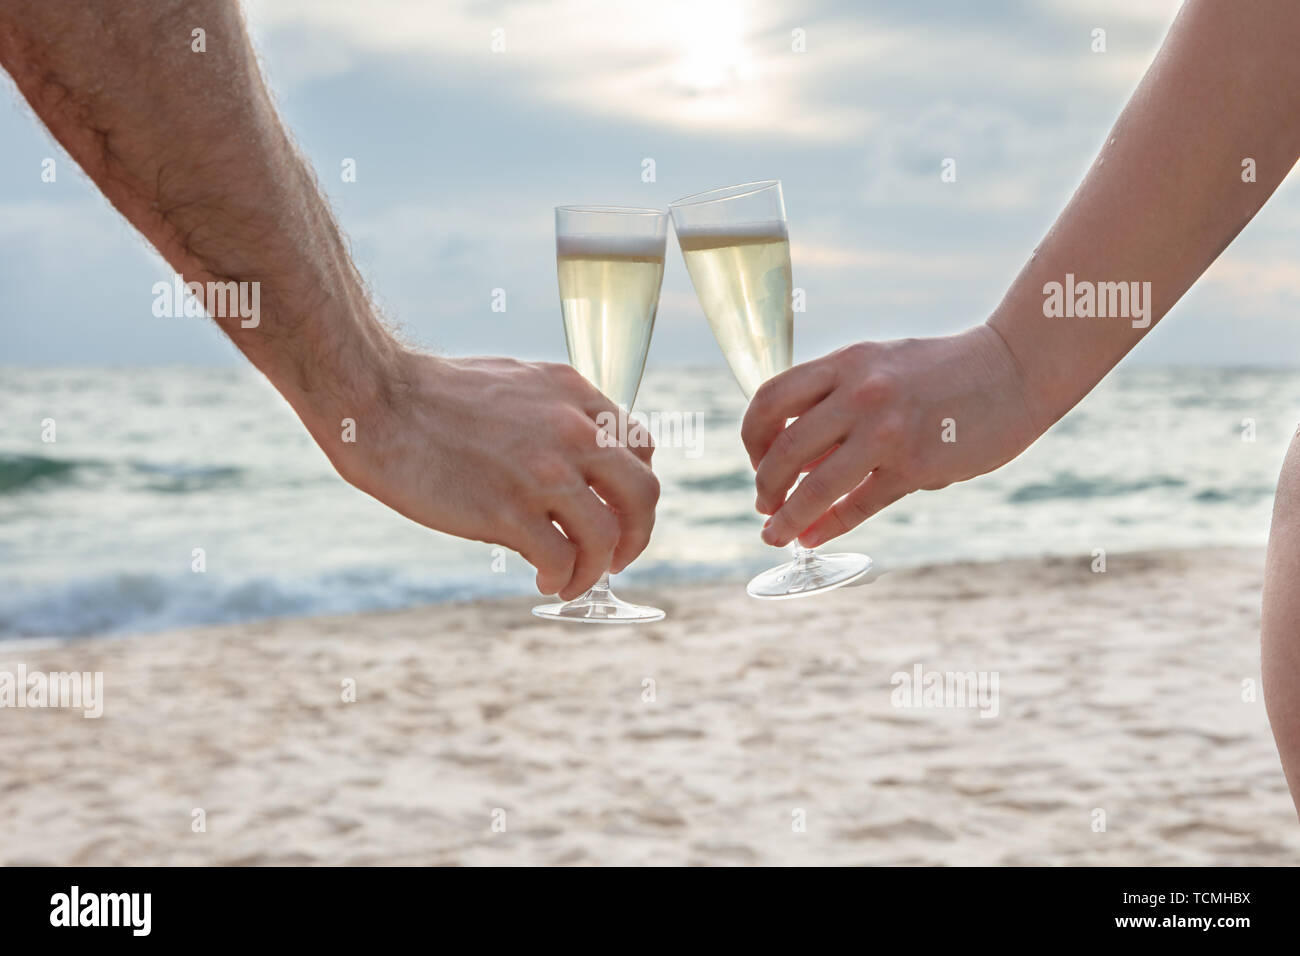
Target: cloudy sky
<point>463,151</point>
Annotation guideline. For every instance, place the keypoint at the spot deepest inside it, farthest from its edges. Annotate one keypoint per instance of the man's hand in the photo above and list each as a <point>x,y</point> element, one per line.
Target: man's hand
<point>496,450</point>
<point>871,424</point>
<point>188,147</point>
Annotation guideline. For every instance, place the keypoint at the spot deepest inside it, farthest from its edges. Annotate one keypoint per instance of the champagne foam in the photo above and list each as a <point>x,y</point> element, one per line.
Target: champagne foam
<point>594,246</point>
<point>692,238</point>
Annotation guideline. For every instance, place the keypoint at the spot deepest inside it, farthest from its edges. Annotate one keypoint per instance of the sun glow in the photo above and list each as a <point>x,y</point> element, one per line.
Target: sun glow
<point>713,54</point>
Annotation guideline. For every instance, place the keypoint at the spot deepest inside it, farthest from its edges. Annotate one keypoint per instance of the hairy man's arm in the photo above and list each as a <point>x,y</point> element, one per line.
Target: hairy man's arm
<point>188,147</point>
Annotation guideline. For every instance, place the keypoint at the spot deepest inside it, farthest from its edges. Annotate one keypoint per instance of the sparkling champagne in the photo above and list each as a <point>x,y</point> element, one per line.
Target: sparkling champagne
<point>737,251</point>
<point>741,275</point>
<point>609,293</point>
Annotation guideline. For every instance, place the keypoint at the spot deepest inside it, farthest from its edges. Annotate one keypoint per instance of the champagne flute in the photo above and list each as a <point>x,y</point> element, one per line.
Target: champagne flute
<point>737,251</point>
<point>610,262</point>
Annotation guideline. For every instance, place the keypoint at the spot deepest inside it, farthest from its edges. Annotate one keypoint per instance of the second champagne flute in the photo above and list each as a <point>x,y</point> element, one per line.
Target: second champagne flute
<point>610,263</point>
<point>737,251</point>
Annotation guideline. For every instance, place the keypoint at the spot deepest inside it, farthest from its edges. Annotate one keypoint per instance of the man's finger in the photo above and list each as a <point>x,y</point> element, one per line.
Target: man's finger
<point>592,528</point>
<point>550,552</point>
<point>835,477</point>
<point>639,441</point>
<point>617,428</point>
<point>782,397</point>
<point>807,439</point>
<point>631,490</point>
<point>608,416</point>
<point>877,492</point>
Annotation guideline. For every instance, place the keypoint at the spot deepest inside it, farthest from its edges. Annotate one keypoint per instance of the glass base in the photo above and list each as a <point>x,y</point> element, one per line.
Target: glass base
<point>809,573</point>
<point>599,606</point>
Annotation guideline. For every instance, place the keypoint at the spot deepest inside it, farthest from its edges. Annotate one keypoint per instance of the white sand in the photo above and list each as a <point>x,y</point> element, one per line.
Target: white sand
<point>1120,691</point>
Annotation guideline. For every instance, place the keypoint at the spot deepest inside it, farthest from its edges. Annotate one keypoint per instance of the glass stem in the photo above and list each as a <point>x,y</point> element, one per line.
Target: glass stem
<point>601,587</point>
<point>802,556</point>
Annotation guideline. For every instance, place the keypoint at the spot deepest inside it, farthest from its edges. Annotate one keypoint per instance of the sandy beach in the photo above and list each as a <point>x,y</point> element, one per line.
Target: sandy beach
<point>770,733</point>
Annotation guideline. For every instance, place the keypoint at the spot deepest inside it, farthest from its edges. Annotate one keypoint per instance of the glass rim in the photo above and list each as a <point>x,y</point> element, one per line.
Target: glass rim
<point>745,189</point>
<point>613,210</point>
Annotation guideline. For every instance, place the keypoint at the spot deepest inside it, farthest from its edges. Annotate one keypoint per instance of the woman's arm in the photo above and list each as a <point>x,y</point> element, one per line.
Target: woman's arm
<point>1164,198</point>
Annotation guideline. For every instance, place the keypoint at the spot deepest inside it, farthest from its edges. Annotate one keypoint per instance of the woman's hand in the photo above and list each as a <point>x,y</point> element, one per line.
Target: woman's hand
<point>877,421</point>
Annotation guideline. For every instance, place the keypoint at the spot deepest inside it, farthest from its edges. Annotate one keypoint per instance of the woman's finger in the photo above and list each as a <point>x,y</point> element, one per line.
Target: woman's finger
<point>807,439</point>
<point>822,487</point>
<point>878,491</point>
<point>782,397</point>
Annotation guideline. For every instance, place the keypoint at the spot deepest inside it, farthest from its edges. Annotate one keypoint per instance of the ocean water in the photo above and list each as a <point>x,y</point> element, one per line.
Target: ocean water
<point>98,528</point>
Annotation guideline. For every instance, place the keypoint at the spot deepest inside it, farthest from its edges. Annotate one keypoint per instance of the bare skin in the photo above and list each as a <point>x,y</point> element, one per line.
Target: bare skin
<point>1165,197</point>
<point>1281,619</point>
<point>188,147</point>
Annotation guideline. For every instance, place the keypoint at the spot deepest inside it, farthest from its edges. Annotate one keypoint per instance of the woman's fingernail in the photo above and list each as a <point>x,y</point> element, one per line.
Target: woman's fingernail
<point>767,524</point>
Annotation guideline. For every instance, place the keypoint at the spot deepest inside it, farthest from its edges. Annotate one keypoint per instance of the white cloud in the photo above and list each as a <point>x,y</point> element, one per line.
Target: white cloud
<point>1255,283</point>
<point>721,66</point>
<point>697,64</point>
